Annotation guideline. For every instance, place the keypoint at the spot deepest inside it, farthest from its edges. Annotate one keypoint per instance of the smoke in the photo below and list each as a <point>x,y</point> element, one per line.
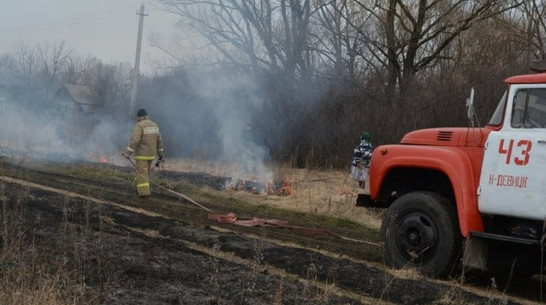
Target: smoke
<point>237,101</point>
<point>37,128</point>
<point>108,138</point>
<point>31,134</point>
<point>201,114</point>
<point>211,115</point>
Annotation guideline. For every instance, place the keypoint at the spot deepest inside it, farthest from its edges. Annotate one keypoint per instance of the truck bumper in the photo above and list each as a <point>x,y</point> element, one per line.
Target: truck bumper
<point>364,200</point>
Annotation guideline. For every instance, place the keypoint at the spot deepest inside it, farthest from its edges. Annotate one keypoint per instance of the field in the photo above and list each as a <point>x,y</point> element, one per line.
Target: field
<point>74,233</point>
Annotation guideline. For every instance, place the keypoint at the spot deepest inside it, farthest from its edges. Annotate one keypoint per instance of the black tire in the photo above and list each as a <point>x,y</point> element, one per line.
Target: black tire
<point>421,231</point>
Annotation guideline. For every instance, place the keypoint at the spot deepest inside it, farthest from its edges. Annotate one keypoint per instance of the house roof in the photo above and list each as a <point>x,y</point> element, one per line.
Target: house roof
<point>82,94</point>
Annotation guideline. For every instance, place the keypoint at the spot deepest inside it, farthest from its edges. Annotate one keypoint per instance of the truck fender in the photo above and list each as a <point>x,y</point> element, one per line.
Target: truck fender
<point>453,163</point>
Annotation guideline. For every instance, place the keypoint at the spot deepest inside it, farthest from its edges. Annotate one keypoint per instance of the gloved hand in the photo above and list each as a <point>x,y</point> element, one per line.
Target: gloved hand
<point>161,158</point>
<point>158,162</point>
<point>125,155</point>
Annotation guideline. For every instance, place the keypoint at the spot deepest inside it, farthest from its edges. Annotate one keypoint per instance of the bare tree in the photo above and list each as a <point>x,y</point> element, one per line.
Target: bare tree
<point>341,47</point>
<point>79,70</point>
<point>26,63</point>
<point>529,28</point>
<point>53,61</point>
<point>255,35</point>
<point>7,69</point>
<point>414,34</point>
<point>111,85</point>
<point>40,68</point>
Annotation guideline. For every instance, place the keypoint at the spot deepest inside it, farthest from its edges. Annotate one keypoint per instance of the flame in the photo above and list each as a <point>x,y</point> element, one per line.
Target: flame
<point>262,186</point>
<point>285,189</point>
<point>95,157</point>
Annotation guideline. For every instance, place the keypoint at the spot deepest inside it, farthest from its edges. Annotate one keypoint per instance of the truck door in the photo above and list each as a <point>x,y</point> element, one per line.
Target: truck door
<point>513,177</point>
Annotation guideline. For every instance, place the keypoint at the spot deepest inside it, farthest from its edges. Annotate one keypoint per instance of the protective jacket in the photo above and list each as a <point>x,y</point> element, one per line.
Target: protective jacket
<point>146,140</point>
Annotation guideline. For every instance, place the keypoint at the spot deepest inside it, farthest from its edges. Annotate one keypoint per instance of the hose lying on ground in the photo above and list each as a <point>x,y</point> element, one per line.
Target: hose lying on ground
<point>231,218</point>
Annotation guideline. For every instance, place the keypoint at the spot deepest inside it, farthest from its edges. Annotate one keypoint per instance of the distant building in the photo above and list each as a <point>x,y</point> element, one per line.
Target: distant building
<point>78,108</point>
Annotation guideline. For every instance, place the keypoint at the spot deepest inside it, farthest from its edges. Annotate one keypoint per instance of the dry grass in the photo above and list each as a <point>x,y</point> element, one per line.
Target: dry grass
<point>33,277</point>
<point>320,192</point>
<point>28,275</point>
<point>30,281</point>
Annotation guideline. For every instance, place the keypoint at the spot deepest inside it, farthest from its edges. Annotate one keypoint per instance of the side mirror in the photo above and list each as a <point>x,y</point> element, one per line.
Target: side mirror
<point>470,113</point>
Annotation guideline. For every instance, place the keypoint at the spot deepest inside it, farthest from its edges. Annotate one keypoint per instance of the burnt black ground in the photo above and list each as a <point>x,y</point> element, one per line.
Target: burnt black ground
<point>128,257</point>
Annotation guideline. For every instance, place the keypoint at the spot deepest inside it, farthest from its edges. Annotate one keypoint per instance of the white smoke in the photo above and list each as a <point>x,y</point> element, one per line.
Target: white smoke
<point>233,100</point>
<point>30,134</point>
<point>49,135</point>
<point>222,113</point>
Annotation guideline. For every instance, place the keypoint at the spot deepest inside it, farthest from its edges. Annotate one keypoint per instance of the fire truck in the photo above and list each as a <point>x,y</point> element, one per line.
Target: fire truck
<point>472,197</point>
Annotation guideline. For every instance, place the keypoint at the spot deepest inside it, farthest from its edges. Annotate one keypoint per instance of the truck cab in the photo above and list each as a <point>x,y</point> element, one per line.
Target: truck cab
<point>471,195</point>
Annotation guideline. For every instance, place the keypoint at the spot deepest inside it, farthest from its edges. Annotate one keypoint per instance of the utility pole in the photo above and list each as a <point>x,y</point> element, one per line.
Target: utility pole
<point>136,72</point>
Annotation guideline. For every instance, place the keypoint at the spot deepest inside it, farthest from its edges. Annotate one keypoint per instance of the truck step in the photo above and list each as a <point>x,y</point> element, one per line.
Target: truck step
<point>505,238</point>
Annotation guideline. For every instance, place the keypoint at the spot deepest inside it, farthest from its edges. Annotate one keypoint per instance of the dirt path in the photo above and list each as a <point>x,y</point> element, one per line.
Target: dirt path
<point>166,251</point>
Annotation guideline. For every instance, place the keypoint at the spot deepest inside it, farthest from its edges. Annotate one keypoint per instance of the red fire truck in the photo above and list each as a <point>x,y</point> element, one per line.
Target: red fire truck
<point>474,195</point>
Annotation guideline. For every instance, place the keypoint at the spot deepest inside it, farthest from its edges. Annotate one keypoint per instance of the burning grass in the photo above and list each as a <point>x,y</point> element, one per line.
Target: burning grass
<point>320,192</point>
<point>311,191</point>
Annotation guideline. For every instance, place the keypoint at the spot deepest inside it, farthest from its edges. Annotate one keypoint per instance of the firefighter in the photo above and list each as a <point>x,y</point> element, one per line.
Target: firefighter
<point>362,156</point>
<point>145,143</point>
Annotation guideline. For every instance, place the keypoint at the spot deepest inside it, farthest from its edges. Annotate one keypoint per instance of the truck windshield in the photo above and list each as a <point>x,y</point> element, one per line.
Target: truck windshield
<point>496,119</point>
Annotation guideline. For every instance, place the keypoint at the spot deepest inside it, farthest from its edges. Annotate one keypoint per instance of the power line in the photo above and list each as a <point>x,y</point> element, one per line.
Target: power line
<point>67,22</point>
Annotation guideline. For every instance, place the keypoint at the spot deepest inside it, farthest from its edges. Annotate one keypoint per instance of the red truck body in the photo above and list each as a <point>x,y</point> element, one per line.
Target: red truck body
<point>444,189</point>
<point>455,152</point>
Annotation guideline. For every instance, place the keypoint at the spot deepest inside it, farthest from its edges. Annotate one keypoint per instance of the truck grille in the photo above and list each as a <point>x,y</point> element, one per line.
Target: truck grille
<point>444,136</point>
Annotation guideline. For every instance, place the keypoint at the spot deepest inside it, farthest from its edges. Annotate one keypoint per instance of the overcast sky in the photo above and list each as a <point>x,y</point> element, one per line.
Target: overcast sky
<point>106,29</point>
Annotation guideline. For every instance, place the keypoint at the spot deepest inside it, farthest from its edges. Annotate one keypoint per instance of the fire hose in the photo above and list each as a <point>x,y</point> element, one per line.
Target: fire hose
<point>231,218</point>
<point>169,190</point>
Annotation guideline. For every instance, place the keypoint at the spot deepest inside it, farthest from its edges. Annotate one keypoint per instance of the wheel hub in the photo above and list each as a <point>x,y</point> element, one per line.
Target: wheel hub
<point>414,238</point>
<point>415,235</point>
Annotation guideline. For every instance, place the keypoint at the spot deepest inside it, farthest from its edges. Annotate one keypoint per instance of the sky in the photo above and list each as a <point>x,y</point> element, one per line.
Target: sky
<point>105,29</point>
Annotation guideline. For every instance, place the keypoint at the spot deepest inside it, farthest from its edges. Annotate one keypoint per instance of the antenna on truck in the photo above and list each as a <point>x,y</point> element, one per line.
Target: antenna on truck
<point>471,111</point>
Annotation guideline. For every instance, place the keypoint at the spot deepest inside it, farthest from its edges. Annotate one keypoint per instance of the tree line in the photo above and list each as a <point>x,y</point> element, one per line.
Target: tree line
<point>324,70</point>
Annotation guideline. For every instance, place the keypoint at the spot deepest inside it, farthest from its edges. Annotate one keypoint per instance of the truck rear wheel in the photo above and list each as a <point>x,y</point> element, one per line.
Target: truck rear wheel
<point>420,230</point>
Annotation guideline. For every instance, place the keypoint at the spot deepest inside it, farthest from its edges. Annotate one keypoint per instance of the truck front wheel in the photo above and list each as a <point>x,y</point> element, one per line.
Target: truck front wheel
<point>420,230</point>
